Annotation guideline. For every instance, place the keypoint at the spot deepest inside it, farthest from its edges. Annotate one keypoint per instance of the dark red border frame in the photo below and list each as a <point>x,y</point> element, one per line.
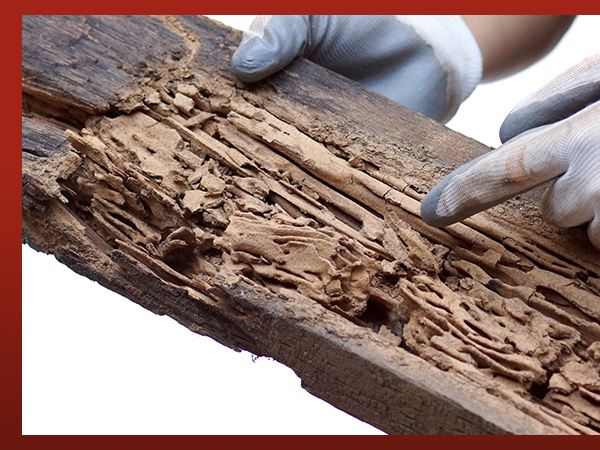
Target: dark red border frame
<point>10,225</point>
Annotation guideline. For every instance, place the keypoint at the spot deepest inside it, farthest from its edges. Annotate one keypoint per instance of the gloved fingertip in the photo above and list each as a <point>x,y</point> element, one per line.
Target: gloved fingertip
<point>517,122</point>
<point>442,198</point>
<point>429,206</point>
<point>249,62</point>
<point>506,132</point>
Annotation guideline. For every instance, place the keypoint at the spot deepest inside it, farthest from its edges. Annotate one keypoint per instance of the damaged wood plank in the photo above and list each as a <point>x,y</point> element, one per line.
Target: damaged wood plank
<point>283,219</point>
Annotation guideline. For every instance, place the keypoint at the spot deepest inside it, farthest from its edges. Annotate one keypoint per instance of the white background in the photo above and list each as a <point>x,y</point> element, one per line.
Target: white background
<point>96,363</point>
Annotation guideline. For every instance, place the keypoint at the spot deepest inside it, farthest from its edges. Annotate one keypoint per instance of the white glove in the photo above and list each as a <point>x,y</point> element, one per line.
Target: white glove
<point>559,140</point>
<point>427,63</point>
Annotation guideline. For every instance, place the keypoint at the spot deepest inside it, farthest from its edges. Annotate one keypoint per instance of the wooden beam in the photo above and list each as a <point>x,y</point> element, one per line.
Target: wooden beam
<point>283,218</point>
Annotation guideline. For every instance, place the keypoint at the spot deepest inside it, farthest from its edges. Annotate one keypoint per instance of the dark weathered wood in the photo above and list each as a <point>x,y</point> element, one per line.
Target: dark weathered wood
<point>149,168</point>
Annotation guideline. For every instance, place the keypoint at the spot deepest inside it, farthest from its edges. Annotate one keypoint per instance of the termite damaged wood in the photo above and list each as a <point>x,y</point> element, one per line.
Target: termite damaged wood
<point>283,218</point>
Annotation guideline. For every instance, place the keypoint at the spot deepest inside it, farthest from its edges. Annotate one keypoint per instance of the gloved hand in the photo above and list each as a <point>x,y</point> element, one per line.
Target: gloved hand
<point>427,63</point>
<point>554,135</point>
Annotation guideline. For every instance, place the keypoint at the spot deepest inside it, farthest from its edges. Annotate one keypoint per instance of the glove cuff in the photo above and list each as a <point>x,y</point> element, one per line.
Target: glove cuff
<point>457,51</point>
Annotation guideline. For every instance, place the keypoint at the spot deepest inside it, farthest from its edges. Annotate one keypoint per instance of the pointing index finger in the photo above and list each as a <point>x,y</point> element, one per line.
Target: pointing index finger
<point>515,167</point>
